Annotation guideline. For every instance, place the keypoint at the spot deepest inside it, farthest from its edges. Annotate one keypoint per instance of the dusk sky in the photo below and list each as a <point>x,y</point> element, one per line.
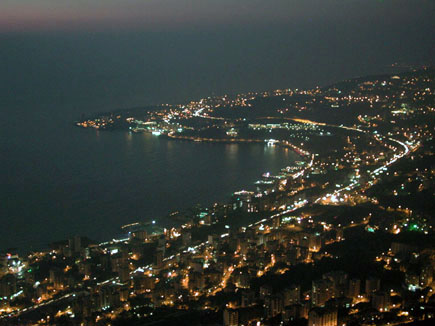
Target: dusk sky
<point>53,50</point>
<point>28,15</point>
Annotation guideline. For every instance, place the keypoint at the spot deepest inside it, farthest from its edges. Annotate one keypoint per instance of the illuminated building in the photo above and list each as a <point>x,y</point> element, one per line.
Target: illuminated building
<point>321,291</point>
<point>231,317</point>
<point>381,301</point>
<point>354,288</point>
<point>322,317</point>
<point>373,284</point>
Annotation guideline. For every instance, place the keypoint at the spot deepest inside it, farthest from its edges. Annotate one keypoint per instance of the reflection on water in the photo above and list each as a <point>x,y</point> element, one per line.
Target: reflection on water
<point>128,140</point>
<point>231,151</point>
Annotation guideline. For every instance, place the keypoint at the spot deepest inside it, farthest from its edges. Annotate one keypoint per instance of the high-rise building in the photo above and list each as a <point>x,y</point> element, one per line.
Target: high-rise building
<point>381,301</point>
<point>322,317</point>
<point>354,288</point>
<point>273,305</point>
<point>373,284</point>
<point>158,259</point>
<point>292,295</point>
<point>56,278</point>
<point>124,273</point>
<point>8,285</point>
<point>321,292</point>
<point>339,282</point>
<point>231,317</point>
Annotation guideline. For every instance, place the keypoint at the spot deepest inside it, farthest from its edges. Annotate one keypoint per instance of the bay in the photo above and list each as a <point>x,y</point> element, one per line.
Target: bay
<point>58,180</point>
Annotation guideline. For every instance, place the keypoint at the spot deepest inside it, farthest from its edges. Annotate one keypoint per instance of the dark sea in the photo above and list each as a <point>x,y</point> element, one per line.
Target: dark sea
<point>57,180</point>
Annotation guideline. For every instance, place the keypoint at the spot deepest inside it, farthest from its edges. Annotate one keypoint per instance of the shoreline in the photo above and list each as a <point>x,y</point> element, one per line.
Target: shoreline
<point>164,221</point>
